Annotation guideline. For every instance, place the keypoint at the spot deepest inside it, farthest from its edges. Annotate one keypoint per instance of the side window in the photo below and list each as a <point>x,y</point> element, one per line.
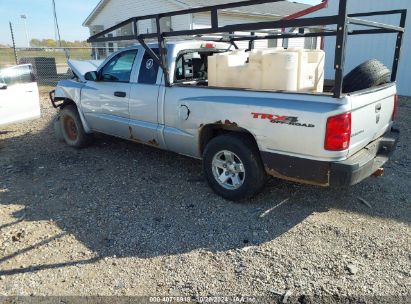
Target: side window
<point>17,75</point>
<point>192,66</point>
<point>118,69</point>
<point>148,69</point>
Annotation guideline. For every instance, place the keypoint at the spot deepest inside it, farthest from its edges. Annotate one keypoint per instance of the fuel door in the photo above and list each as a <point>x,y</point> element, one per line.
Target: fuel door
<point>183,112</point>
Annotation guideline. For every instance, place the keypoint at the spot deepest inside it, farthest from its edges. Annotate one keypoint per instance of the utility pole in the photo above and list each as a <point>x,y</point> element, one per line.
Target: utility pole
<point>57,29</point>
<point>14,43</point>
<point>56,25</point>
<point>24,17</point>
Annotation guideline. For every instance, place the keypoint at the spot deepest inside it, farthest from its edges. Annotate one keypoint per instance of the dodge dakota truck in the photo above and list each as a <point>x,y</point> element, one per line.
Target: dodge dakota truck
<point>241,135</point>
<point>161,93</point>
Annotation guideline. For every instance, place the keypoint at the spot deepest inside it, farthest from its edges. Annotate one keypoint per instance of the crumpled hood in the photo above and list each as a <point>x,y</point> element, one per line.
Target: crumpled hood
<point>81,67</point>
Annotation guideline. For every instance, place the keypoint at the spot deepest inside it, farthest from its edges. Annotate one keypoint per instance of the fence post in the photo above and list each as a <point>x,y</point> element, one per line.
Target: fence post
<point>14,43</point>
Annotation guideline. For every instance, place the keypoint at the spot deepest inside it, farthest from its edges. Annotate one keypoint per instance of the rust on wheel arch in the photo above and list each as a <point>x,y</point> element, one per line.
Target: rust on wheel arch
<point>227,123</point>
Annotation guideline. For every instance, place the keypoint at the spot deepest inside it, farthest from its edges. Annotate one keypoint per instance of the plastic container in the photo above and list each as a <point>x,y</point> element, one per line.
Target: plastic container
<point>274,69</point>
<point>311,71</point>
<point>280,71</point>
<point>226,69</point>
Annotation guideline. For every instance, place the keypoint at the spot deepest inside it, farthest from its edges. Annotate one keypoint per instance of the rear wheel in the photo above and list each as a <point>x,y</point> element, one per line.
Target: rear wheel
<point>233,167</point>
<point>72,127</point>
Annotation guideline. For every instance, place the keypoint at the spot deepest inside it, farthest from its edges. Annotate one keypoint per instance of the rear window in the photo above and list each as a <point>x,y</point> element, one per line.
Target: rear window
<point>192,65</point>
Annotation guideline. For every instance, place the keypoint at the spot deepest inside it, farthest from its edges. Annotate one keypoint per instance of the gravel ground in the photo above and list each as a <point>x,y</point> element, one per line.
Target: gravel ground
<point>120,218</point>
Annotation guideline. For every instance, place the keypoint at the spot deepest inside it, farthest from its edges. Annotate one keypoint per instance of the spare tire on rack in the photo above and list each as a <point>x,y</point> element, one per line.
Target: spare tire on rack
<point>369,74</point>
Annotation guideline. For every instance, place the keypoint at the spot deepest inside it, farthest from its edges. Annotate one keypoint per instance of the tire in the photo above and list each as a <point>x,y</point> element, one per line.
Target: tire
<point>72,128</point>
<point>238,185</point>
<point>369,74</point>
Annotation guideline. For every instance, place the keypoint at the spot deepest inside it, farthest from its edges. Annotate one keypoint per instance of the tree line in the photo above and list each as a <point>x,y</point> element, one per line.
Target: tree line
<point>54,43</point>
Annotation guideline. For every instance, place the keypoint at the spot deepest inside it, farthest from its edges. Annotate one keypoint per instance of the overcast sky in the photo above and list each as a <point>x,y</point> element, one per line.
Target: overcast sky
<point>71,14</point>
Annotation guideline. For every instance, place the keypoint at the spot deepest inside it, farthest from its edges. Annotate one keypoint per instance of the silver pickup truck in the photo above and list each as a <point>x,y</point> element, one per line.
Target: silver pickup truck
<point>241,135</point>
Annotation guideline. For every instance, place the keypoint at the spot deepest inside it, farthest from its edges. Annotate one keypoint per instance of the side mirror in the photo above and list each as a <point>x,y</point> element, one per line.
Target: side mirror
<point>91,76</point>
<point>3,86</point>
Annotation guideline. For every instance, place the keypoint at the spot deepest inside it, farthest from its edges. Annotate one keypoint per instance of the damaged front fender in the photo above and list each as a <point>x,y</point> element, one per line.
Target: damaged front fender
<point>68,92</point>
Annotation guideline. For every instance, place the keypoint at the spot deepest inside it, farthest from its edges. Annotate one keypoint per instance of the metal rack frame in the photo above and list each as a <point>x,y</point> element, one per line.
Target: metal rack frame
<point>226,33</point>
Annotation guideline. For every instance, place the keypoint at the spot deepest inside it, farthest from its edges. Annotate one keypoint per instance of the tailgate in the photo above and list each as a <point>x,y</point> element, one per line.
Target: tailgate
<point>371,112</point>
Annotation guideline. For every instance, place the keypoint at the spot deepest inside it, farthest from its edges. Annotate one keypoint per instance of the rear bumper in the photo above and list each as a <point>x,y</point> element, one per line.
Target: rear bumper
<point>334,174</point>
<point>364,163</point>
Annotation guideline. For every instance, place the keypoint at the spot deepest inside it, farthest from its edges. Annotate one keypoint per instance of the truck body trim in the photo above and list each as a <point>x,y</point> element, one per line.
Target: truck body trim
<point>334,174</point>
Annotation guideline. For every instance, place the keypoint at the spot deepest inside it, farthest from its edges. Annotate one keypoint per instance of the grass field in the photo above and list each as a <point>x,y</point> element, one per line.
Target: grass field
<point>7,57</point>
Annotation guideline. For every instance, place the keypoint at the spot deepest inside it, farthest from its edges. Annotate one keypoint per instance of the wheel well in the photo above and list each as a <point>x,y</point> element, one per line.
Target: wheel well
<point>68,102</point>
<point>208,132</point>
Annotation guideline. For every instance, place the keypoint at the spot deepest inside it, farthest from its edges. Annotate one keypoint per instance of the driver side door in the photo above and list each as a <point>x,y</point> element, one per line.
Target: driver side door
<point>105,102</point>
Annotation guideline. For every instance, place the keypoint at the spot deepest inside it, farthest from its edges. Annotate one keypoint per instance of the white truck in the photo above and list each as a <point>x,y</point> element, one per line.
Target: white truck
<point>141,94</point>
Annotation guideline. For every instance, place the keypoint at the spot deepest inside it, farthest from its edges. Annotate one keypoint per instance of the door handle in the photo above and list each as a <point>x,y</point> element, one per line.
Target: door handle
<point>120,94</point>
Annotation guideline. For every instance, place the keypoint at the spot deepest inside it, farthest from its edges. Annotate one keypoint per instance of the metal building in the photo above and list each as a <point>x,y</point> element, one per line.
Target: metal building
<point>364,47</point>
<point>111,12</point>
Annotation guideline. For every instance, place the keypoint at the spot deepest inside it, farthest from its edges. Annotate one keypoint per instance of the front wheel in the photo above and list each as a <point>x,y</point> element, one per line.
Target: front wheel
<point>72,128</point>
<point>233,167</point>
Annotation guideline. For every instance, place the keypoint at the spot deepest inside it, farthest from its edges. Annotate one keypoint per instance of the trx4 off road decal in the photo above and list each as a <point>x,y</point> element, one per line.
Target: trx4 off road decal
<point>281,119</point>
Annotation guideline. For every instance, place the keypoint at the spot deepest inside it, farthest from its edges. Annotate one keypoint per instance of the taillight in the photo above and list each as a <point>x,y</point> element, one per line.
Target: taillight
<point>338,134</point>
<point>394,112</point>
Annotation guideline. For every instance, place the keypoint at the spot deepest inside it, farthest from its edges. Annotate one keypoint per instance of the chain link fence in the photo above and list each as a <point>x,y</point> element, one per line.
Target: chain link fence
<point>49,64</point>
